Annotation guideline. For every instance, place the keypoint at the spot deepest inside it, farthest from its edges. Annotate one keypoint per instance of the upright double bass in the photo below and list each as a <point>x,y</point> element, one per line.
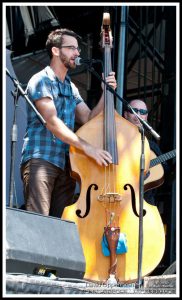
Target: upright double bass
<point>109,196</point>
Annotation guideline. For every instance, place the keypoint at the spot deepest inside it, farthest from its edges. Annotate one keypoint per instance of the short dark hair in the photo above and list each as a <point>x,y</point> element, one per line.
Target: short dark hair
<point>55,38</point>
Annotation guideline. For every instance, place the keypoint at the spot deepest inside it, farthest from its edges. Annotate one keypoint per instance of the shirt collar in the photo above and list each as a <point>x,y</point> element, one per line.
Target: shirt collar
<point>53,77</point>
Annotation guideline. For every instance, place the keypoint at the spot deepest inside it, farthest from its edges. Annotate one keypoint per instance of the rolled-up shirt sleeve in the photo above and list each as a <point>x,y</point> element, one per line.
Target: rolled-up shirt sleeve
<point>39,88</point>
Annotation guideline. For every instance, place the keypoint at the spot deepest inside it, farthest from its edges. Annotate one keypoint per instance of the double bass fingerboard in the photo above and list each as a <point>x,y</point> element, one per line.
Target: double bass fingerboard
<point>110,141</point>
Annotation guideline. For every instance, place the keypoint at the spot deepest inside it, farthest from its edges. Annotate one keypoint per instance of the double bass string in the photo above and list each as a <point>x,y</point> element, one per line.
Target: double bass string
<point>110,183</point>
<point>110,188</point>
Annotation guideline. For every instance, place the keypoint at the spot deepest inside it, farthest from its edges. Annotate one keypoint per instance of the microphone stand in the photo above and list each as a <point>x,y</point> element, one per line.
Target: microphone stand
<point>142,168</point>
<point>18,91</point>
<point>141,211</point>
<point>14,134</point>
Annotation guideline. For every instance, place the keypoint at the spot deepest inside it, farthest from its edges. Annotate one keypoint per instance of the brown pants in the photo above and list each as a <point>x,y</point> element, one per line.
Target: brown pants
<point>47,188</point>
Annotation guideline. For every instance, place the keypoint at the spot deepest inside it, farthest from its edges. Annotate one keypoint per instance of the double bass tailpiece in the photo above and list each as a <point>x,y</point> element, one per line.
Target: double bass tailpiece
<point>112,236</point>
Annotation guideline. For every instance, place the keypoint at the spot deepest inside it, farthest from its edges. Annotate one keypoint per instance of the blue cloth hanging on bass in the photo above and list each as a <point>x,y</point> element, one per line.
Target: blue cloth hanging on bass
<point>121,246</point>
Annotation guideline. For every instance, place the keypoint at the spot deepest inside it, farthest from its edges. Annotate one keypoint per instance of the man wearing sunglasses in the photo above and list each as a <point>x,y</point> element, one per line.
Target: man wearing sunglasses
<point>48,187</point>
<point>140,107</point>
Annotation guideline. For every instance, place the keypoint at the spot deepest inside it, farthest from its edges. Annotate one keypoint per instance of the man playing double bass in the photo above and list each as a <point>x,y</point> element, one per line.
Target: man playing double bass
<point>45,171</point>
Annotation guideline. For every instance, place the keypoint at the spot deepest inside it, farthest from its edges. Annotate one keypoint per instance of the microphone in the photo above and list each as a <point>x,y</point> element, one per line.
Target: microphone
<point>81,61</point>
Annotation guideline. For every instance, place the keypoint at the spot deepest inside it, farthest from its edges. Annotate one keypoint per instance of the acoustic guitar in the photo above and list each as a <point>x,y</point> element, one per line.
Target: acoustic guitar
<point>155,176</point>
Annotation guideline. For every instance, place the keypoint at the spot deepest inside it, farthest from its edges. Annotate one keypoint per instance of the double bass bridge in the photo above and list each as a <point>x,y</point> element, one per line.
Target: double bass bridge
<point>110,197</point>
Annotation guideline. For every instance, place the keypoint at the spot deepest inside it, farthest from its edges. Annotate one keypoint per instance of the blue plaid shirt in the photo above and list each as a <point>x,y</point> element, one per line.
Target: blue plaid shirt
<point>39,142</point>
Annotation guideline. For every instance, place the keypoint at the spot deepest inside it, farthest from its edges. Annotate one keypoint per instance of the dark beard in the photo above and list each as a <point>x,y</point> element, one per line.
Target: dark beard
<point>66,62</point>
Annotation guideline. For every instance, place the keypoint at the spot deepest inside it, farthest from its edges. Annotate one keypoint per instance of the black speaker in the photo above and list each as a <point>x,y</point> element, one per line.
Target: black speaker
<point>36,242</point>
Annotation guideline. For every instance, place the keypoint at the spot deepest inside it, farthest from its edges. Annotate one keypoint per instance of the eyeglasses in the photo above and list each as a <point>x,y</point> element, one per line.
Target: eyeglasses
<point>141,111</point>
<point>73,48</point>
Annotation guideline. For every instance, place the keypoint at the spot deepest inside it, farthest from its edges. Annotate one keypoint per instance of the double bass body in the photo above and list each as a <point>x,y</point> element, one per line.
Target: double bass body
<point>92,178</point>
<point>109,196</point>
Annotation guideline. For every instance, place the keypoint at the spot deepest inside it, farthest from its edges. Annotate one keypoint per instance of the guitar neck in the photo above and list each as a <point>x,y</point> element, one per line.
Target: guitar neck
<point>162,158</point>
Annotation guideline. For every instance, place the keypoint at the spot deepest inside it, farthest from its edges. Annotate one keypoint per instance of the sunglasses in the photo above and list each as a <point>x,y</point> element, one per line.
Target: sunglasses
<point>141,111</point>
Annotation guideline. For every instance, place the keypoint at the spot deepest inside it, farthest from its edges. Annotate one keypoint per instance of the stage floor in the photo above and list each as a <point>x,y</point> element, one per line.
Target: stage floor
<point>36,284</point>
